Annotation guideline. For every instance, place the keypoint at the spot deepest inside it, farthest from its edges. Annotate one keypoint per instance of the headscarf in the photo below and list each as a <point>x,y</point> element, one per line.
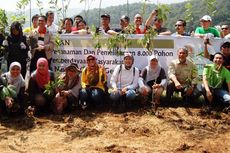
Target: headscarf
<point>18,81</point>
<point>152,74</point>
<point>16,25</point>
<point>42,77</point>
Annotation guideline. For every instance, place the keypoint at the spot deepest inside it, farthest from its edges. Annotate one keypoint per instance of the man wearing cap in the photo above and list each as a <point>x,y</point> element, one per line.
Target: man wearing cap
<point>205,28</point>
<point>124,23</point>
<point>183,77</point>
<point>94,82</point>
<point>124,81</point>
<point>105,21</point>
<point>158,24</point>
<point>225,31</point>
<point>153,81</point>
<point>69,93</point>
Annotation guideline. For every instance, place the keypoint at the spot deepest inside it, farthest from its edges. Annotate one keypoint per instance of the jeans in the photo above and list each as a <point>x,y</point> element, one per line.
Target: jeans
<point>92,96</point>
<point>129,96</point>
<point>220,94</point>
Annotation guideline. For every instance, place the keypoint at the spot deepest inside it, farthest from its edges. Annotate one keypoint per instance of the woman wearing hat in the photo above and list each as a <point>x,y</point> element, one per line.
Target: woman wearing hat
<point>69,94</point>
<point>153,81</point>
<point>93,81</point>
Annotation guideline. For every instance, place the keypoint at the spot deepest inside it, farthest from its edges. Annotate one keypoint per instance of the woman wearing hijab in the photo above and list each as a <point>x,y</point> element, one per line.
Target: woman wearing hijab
<point>14,77</point>
<point>93,81</point>
<point>153,81</point>
<point>39,78</point>
<point>17,47</point>
<point>69,94</point>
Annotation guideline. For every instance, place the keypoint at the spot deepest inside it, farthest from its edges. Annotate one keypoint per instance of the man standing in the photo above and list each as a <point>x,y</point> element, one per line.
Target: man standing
<point>180,28</point>
<point>214,76</point>
<point>105,21</point>
<point>34,26</point>
<point>183,76</point>
<point>139,27</point>
<point>53,28</point>
<point>205,28</point>
<point>225,31</point>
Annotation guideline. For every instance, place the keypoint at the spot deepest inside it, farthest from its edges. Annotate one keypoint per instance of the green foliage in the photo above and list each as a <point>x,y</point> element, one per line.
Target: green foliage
<point>163,11</point>
<point>97,38</point>
<point>211,6</point>
<point>3,20</point>
<point>53,85</point>
<point>147,42</point>
<point>188,12</point>
<point>40,6</point>
<point>7,91</point>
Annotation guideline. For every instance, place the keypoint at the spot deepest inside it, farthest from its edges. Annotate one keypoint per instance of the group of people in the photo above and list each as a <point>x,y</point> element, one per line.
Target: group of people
<point>89,87</point>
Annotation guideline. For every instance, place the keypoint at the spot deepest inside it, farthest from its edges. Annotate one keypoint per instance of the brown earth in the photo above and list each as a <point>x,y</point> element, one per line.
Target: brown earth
<point>175,129</point>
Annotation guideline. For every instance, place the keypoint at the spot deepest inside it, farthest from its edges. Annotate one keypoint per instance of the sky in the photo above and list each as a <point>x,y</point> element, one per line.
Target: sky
<point>10,5</point>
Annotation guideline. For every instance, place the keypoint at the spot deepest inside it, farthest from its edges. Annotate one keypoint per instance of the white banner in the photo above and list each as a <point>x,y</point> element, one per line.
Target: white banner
<point>74,49</point>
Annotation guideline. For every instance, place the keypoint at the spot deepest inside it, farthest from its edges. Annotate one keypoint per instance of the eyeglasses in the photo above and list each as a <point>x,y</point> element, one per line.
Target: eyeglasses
<point>224,28</point>
<point>178,25</point>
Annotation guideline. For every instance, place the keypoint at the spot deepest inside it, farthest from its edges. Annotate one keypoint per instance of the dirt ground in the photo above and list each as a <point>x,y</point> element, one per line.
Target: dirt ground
<point>175,129</point>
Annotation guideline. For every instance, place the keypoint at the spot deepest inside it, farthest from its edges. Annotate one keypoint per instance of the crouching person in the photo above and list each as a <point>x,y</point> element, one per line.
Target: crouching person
<point>37,82</point>
<point>183,77</point>
<point>12,90</point>
<point>93,81</point>
<point>68,94</point>
<point>152,82</point>
<point>124,82</point>
<point>213,77</point>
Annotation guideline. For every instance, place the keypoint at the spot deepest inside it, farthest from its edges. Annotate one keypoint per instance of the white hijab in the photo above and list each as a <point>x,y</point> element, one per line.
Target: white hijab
<point>18,81</point>
<point>152,74</point>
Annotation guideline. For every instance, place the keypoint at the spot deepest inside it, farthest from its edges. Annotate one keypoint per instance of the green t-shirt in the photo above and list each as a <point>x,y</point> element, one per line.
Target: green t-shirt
<point>214,31</point>
<point>216,78</point>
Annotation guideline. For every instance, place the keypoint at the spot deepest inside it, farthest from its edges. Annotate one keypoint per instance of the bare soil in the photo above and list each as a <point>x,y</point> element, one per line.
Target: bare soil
<point>174,129</point>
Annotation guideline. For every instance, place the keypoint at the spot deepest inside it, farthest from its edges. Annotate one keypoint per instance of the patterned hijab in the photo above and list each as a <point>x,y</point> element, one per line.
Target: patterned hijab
<point>42,77</point>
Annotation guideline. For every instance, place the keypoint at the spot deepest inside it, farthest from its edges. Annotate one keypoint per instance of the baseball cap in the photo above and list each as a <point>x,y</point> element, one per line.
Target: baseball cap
<point>138,16</point>
<point>105,15</point>
<point>124,17</point>
<point>206,18</point>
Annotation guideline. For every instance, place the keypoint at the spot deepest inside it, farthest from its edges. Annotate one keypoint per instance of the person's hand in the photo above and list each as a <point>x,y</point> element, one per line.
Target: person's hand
<point>189,91</point>
<point>209,96</point>
<point>65,93</point>
<point>156,86</point>
<point>23,46</point>
<point>178,85</point>
<point>5,43</point>
<point>123,91</point>
<point>144,90</point>
<point>9,102</point>
<point>154,12</point>
<point>40,47</point>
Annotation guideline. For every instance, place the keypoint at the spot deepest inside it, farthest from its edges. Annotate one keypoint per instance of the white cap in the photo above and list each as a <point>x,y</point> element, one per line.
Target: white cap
<point>206,18</point>
<point>138,15</point>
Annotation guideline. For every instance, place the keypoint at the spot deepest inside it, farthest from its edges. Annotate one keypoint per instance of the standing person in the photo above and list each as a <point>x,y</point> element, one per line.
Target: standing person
<point>225,31</point>
<point>153,81</point>
<point>206,28</point>
<point>139,27</point>
<point>214,76</point>
<point>158,24</point>
<point>34,25</point>
<point>82,28</point>
<point>53,28</point>
<point>17,47</point>
<point>39,78</point>
<point>67,24</point>
<point>69,94</point>
<point>183,77</point>
<point>180,28</point>
<point>41,43</point>
<point>105,24</point>
<point>124,82</point>
<point>16,102</point>
<point>93,82</point>
<point>77,19</point>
